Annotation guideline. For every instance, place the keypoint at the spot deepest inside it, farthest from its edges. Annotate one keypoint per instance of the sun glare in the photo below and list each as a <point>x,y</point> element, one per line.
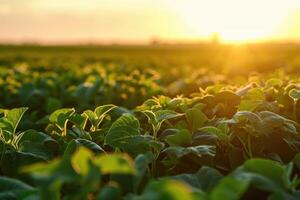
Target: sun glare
<point>236,21</point>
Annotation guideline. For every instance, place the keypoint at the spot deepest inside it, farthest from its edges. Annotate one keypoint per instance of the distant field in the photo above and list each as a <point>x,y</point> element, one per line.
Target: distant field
<point>242,59</point>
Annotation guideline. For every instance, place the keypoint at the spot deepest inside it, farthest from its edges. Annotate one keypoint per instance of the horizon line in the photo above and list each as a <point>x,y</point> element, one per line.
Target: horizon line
<point>143,42</point>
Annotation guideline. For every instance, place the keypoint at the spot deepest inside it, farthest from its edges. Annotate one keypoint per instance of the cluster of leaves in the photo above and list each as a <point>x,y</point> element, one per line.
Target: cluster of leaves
<point>46,89</point>
<point>224,142</point>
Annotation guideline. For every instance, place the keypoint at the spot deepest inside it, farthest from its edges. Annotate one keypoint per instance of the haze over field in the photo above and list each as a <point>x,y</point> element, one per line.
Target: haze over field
<point>107,21</point>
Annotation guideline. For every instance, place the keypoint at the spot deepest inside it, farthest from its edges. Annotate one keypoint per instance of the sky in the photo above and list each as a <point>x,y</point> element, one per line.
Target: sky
<point>134,21</point>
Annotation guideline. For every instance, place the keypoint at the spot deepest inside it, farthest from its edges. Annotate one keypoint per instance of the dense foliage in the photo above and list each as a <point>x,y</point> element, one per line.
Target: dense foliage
<point>104,132</point>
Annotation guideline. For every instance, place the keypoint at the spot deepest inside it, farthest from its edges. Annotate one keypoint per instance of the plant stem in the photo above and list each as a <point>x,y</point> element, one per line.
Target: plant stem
<point>249,146</point>
<point>2,154</point>
<point>295,110</point>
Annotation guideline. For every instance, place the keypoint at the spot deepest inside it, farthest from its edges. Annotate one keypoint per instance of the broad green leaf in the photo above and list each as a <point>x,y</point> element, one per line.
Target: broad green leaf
<point>11,119</point>
<point>247,116</point>
<point>80,160</point>
<point>142,162</point>
<point>162,115</point>
<point>251,100</point>
<point>279,195</point>
<point>115,164</point>
<point>269,169</point>
<point>141,144</point>
<point>205,179</point>
<point>77,143</point>
<point>229,188</point>
<point>20,159</point>
<point>195,118</point>
<point>272,122</point>
<point>53,104</point>
<point>180,137</point>
<point>152,119</point>
<point>156,118</point>
<point>33,136</point>
<point>78,120</point>
<point>14,116</point>
<point>109,192</point>
<point>215,131</point>
<point>200,150</point>
<point>13,189</point>
<point>167,190</point>
<point>89,183</point>
<point>125,135</point>
<point>35,142</point>
<point>51,190</point>
<point>124,128</point>
<point>60,170</point>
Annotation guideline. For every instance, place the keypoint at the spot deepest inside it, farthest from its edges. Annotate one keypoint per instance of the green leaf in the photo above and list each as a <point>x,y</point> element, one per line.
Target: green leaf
<point>294,94</point>
<point>158,117</point>
<point>274,82</point>
<point>98,115</point>
<point>214,89</point>
<point>229,188</point>
<point>188,157</point>
<point>53,104</point>
<point>251,100</point>
<point>167,190</point>
<point>55,170</point>
<point>124,128</point>
<point>13,189</point>
<point>35,142</point>
<point>89,183</point>
<point>11,119</point>
<point>60,117</point>
<point>195,118</point>
<point>91,116</point>
<point>115,164</point>
<point>180,137</point>
<point>296,160</point>
<point>162,115</point>
<point>14,116</point>
<point>101,111</point>
<point>247,116</point>
<point>269,169</point>
<point>141,144</point>
<point>200,150</point>
<point>20,159</point>
<point>77,143</point>
<point>215,131</point>
<point>109,192</point>
<point>78,120</point>
<point>80,160</point>
<point>142,162</point>
<point>124,134</point>
<point>205,179</point>
<point>152,119</point>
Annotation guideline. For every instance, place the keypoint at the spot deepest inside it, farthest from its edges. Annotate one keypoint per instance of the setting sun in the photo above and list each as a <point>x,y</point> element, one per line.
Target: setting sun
<point>238,21</point>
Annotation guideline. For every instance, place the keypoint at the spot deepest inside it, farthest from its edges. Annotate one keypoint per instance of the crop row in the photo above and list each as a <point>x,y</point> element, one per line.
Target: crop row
<point>224,142</point>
